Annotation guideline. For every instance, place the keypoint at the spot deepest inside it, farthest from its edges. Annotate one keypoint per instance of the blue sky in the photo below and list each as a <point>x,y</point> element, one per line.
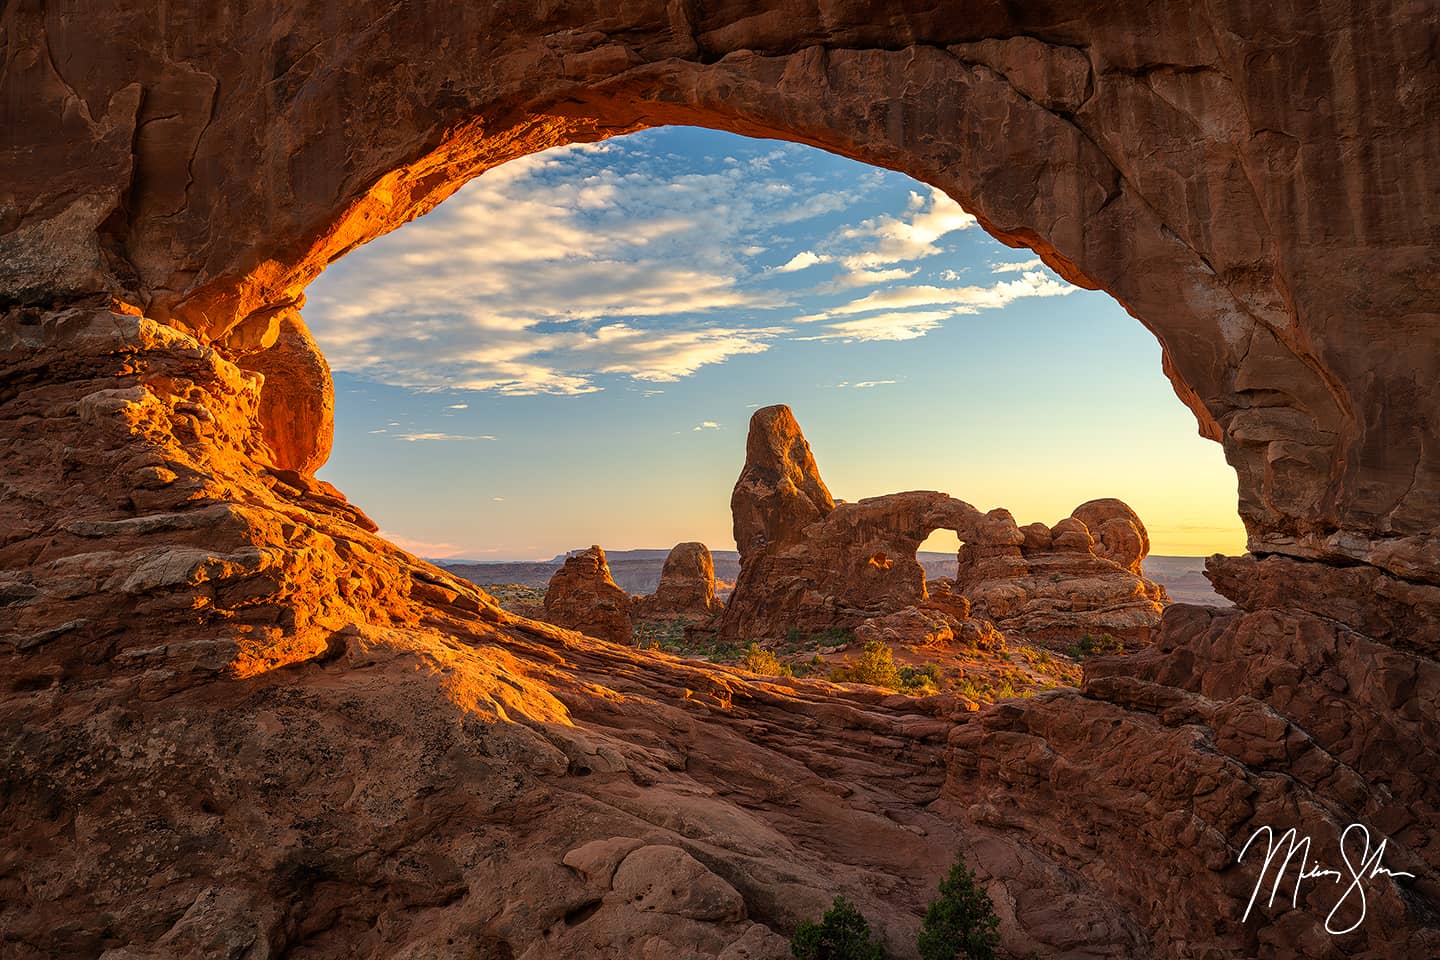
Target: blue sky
<point>568,350</point>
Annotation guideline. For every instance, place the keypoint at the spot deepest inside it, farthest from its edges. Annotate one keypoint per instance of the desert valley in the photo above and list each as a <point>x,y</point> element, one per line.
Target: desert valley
<point>824,586</point>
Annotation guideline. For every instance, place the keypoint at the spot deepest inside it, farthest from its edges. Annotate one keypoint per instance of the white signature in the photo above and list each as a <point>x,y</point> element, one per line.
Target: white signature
<point>1365,868</point>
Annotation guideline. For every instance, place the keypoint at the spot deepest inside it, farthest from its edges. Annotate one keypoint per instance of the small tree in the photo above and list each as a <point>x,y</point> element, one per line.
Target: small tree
<point>875,665</point>
<point>960,924</point>
<point>842,934</point>
<point>757,659</point>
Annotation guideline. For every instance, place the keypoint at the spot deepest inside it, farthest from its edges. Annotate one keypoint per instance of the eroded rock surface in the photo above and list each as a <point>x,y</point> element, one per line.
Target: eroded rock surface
<point>813,568</point>
<point>686,589</point>
<point>238,720</point>
<point>297,398</point>
<point>583,597</point>
<point>239,723</point>
<point>1059,584</point>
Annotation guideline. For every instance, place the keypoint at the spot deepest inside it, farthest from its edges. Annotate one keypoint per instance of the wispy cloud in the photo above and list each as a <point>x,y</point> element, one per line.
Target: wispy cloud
<point>599,269</point>
<point>911,236</point>
<point>421,548</point>
<point>557,272</point>
<point>960,299</point>
<point>1019,266</point>
<point>414,437</point>
<point>706,425</point>
<point>862,278</point>
<point>883,326</point>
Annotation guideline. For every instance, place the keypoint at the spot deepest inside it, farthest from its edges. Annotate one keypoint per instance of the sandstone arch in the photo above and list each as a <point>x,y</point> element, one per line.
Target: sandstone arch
<point>1161,164</point>
<point>1255,184</point>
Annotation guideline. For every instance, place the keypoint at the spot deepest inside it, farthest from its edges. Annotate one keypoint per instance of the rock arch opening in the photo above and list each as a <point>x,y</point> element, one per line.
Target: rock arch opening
<point>780,261</point>
<point>930,109</point>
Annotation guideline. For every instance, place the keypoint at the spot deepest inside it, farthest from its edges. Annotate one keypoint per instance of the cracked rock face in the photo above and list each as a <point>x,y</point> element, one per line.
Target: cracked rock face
<point>239,723</point>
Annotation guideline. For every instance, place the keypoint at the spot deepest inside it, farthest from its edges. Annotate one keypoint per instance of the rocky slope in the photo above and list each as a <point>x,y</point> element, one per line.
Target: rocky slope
<point>237,723</point>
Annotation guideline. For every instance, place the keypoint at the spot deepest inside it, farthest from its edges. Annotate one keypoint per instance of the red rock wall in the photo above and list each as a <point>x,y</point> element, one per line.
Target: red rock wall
<point>234,716</point>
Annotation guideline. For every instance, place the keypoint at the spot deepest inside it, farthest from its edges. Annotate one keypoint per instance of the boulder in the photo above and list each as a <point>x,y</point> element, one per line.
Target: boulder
<point>665,879</point>
<point>297,398</point>
<point>686,589</point>
<point>582,596</point>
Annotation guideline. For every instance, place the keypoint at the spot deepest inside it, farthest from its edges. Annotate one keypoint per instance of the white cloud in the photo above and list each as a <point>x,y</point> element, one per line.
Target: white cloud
<point>551,273</point>
<point>1019,266</point>
<point>867,384</point>
<point>801,260</point>
<point>861,278</point>
<point>548,272</point>
<point>666,356</point>
<point>884,326</point>
<point>413,437</point>
<point>909,237</point>
<point>458,406</point>
<point>498,499</point>
<point>706,425</point>
<point>966,299</point>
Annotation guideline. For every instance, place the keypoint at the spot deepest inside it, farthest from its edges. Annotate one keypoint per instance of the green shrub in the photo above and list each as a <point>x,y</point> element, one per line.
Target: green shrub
<point>757,659</point>
<point>842,934</point>
<point>875,665</point>
<point>1092,646</point>
<point>960,923</point>
<point>809,668</point>
<point>920,680</point>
